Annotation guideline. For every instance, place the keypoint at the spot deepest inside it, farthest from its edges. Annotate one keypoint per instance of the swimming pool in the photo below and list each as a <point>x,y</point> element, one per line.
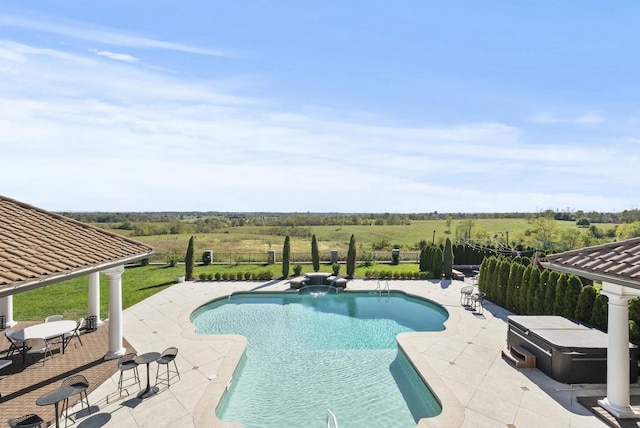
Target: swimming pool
<point>310,353</point>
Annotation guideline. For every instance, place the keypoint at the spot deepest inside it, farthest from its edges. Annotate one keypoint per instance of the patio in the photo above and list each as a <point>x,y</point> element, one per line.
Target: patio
<point>463,365</point>
<point>21,384</point>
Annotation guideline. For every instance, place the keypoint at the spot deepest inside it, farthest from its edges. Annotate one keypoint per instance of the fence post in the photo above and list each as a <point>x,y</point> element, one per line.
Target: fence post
<point>334,256</point>
<point>271,257</point>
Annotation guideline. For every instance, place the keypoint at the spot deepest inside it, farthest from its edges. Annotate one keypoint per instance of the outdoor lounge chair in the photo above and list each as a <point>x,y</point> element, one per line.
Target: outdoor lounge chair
<point>167,356</point>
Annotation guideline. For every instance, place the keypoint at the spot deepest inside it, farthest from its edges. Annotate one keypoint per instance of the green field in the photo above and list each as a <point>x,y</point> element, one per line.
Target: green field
<point>260,239</point>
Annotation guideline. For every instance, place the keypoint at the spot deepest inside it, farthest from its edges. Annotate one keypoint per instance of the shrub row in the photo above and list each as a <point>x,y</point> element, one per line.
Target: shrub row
<point>238,276</point>
<point>387,274</point>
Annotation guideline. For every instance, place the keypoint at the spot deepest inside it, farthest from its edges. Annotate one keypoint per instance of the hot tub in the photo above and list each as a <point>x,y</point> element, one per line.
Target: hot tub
<point>565,350</point>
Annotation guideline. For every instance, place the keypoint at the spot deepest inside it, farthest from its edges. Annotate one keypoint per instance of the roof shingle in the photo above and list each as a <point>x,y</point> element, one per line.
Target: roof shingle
<point>38,245</point>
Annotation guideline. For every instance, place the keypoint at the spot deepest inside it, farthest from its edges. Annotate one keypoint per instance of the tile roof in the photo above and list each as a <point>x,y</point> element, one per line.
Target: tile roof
<point>616,262</point>
<point>38,247</point>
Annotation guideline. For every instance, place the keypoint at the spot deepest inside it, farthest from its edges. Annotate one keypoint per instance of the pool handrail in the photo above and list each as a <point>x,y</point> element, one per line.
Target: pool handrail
<point>331,418</point>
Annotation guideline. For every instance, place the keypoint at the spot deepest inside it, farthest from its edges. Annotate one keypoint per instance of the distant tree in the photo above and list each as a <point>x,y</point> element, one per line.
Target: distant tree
<point>583,222</point>
<point>189,260</point>
<point>351,257</point>
<point>286,257</point>
<point>315,254</point>
<point>447,266</point>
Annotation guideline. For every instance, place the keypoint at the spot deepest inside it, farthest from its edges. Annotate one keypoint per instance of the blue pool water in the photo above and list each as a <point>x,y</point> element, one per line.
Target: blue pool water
<point>309,353</point>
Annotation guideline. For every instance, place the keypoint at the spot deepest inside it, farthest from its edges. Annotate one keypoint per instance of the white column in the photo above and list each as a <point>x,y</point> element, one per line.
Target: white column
<point>617,401</point>
<point>115,313</point>
<point>6,309</point>
<point>94,297</point>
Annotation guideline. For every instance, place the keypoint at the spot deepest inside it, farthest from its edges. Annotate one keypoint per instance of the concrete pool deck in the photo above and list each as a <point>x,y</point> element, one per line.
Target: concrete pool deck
<point>462,364</point>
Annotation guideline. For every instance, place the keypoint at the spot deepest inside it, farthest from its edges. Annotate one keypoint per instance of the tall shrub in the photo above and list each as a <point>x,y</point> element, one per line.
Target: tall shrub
<point>448,260</point>
<point>423,259</point>
<point>503,282</point>
<point>189,260</point>
<point>437,263</point>
<point>541,307</point>
<point>483,275</point>
<point>523,291</point>
<point>315,254</point>
<point>571,296</point>
<point>550,292</point>
<point>351,257</point>
<point>286,257</point>
<point>533,307</point>
<point>599,315</point>
<point>585,303</point>
<point>561,288</point>
<point>512,286</point>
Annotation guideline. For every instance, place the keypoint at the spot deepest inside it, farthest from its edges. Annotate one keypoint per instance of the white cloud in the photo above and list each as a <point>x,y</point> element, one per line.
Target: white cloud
<point>114,56</point>
<point>103,35</point>
<point>585,119</point>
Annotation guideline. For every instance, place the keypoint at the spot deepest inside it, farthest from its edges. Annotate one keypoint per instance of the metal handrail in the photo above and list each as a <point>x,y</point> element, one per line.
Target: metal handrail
<point>331,417</point>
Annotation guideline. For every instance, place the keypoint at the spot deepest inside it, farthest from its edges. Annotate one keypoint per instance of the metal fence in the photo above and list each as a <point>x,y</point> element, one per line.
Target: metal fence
<point>301,258</point>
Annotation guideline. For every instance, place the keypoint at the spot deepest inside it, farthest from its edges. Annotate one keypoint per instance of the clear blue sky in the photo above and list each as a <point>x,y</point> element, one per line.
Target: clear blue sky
<point>348,106</point>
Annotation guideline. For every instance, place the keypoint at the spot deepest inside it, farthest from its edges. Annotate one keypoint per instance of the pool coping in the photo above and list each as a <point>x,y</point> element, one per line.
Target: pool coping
<point>204,415</point>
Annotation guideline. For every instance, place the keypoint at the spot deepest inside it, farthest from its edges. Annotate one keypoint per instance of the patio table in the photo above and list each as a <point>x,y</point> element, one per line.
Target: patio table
<point>47,330</point>
<point>55,397</point>
<point>147,358</point>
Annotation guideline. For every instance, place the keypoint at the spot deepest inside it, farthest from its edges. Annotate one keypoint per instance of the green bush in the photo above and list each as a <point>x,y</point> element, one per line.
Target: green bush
<point>225,276</point>
<point>202,276</point>
<point>218,276</point>
<point>396,275</point>
<point>209,276</point>
<point>206,258</point>
<point>240,276</point>
<point>247,276</point>
<point>297,270</point>
<point>335,268</point>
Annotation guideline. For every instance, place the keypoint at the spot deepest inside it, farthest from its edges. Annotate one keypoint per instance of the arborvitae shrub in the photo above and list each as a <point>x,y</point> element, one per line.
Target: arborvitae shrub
<point>585,303</point>
<point>571,296</point>
<point>599,316</point>
<point>447,260</point>
<point>561,288</point>
<point>550,292</point>
<point>315,254</point>
<point>286,256</point>
<point>351,257</point>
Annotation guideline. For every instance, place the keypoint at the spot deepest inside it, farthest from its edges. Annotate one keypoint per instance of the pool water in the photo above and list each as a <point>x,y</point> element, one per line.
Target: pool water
<point>310,353</point>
